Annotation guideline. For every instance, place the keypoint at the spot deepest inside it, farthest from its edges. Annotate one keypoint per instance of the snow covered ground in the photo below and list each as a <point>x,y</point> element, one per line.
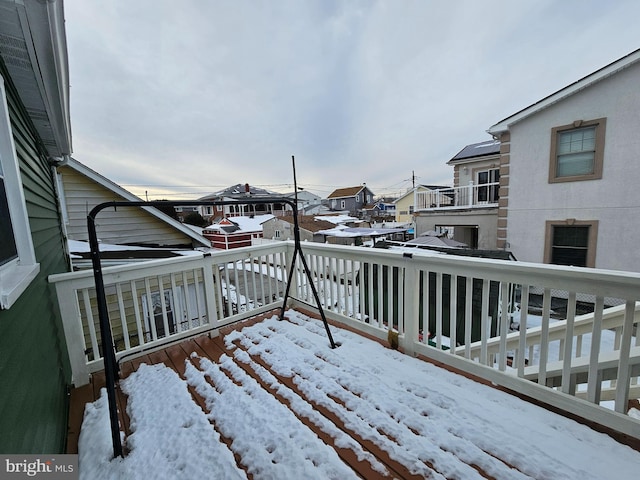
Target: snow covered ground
<point>426,418</point>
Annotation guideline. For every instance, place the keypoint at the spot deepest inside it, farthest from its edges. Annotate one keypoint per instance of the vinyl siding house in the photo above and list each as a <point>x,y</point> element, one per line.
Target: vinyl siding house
<point>405,204</point>
<point>281,228</point>
<point>350,200</point>
<point>569,173</point>
<point>35,132</point>
<point>81,189</point>
<point>470,208</point>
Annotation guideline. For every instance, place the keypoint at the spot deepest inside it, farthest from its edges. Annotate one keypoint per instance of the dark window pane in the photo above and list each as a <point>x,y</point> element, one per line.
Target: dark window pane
<point>8,249</point>
<point>570,246</point>
<point>571,236</point>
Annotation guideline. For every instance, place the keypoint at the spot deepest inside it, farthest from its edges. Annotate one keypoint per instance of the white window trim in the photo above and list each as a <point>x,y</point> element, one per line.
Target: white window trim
<point>15,276</point>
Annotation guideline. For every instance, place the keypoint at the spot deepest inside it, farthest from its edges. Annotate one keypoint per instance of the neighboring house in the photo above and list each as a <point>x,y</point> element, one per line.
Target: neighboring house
<point>305,199</point>
<point>350,200</point>
<point>235,232</point>
<point>569,173</point>
<point>81,189</point>
<point>237,192</point>
<point>281,228</point>
<point>470,208</point>
<point>35,133</point>
<point>404,205</point>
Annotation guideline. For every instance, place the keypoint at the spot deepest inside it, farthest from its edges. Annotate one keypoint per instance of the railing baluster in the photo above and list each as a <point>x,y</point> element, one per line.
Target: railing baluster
<point>544,337</point>
<point>484,315</point>
<point>438,289</point>
<point>504,325</point>
<point>453,312</point>
<point>152,320</point>
<point>594,384</point>
<point>622,379</point>
<point>123,317</point>
<point>136,313</point>
<point>90,323</point>
<point>568,382</point>
<point>468,314</point>
<point>163,306</point>
<point>522,340</point>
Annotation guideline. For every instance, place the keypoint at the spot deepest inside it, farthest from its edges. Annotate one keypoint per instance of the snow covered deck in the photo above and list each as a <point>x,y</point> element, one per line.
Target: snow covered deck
<point>271,399</point>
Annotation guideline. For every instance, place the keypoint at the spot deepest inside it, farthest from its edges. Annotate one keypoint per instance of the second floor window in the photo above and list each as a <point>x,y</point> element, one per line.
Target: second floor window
<point>488,185</point>
<point>577,151</point>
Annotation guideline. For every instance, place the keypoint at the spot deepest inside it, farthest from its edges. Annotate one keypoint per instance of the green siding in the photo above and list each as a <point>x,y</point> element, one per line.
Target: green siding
<point>34,367</point>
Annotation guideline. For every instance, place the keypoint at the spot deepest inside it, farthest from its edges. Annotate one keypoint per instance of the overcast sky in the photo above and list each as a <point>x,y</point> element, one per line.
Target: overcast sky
<point>182,98</point>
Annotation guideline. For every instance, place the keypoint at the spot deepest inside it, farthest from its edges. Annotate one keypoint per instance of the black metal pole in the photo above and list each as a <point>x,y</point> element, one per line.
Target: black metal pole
<point>108,348</point>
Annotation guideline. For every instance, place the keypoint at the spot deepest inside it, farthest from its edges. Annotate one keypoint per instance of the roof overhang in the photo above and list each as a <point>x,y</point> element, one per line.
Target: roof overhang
<point>33,46</point>
<point>595,77</point>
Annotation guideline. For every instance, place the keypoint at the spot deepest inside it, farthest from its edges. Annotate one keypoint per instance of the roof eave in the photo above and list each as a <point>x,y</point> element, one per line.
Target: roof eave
<point>43,30</point>
<point>504,125</point>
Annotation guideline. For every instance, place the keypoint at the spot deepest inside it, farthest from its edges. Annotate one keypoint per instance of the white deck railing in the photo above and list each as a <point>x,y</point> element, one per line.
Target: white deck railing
<point>455,310</point>
<point>468,196</point>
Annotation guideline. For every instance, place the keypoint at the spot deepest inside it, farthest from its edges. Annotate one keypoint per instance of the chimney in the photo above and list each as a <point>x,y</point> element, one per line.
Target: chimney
<point>247,190</point>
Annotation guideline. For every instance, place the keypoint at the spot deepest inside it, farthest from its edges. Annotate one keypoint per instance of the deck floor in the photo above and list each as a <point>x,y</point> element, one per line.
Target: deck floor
<point>204,347</point>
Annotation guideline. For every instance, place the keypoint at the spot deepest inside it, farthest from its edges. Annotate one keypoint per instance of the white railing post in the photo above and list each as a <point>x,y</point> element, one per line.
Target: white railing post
<point>209,294</point>
<point>470,194</point>
<point>411,307</point>
<point>72,324</point>
<point>293,288</point>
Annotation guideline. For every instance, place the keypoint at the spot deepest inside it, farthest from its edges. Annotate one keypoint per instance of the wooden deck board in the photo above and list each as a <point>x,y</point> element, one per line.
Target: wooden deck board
<point>174,357</point>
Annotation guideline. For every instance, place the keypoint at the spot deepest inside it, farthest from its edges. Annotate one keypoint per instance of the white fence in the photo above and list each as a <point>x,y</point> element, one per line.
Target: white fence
<point>468,196</point>
<point>460,311</point>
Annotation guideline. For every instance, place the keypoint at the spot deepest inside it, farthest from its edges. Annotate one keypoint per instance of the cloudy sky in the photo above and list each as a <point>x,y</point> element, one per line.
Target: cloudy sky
<point>182,98</point>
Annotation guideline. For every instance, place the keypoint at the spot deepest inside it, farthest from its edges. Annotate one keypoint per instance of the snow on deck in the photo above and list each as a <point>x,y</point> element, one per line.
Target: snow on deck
<point>280,403</point>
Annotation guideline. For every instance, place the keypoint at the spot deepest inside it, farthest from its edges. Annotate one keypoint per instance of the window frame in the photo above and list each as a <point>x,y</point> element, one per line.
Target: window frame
<point>17,274</point>
<point>600,125</point>
<point>591,242</point>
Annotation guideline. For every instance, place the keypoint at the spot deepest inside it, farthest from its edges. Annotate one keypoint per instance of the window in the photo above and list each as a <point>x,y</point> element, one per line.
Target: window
<point>18,265</point>
<point>577,151</point>
<point>571,242</point>
<point>277,234</point>
<point>368,198</point>
<point>343,204</point>
<point>358,197</point>
<point>410,209</point>
<point>488,185</point>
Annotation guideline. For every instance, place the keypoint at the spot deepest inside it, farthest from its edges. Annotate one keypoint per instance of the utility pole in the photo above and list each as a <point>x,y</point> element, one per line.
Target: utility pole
<point>413,178</point>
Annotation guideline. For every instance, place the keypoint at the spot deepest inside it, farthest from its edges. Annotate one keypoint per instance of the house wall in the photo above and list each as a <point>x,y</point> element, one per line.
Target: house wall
<point>613,200</point>
<point>124,226</point>
<point>286,231</point>
<point>402,209</point>
<point>468,172</point>
<point>34,365</point>
<point>485,219</point>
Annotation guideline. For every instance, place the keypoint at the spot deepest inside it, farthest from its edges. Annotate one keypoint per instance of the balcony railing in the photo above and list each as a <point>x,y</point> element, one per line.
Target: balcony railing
<point>582,342</point>
<point>469,196</point>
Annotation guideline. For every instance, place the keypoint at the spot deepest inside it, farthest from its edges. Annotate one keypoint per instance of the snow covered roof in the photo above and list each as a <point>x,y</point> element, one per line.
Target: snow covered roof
<point>361,232</point>
<point>244,224</point>
<point>338,219</point>
<point>475,150</point>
